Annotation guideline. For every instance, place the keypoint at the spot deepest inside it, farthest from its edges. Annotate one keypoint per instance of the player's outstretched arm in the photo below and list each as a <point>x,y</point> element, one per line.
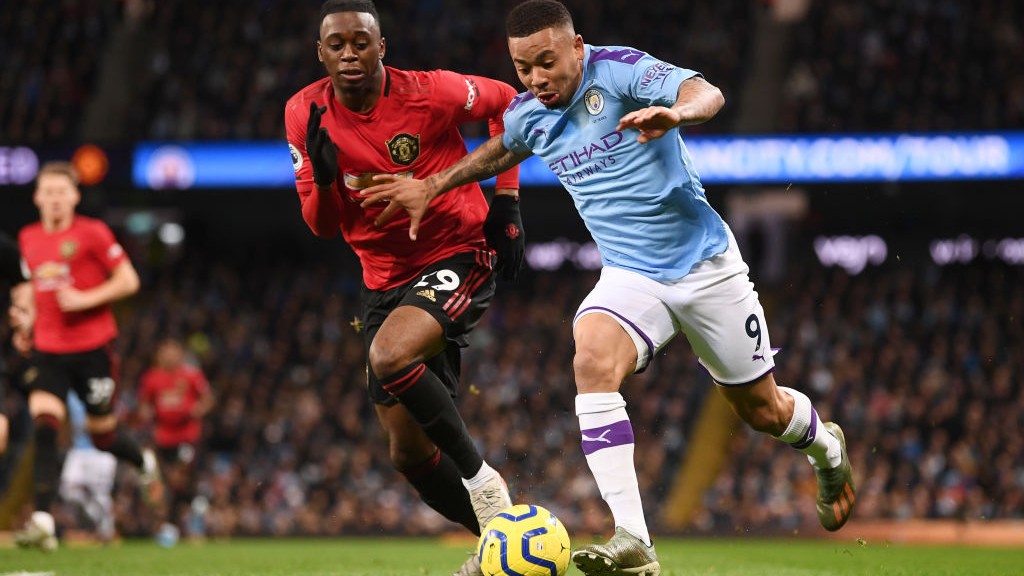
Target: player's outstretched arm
<point>697,101</point>
<point>414,196</point>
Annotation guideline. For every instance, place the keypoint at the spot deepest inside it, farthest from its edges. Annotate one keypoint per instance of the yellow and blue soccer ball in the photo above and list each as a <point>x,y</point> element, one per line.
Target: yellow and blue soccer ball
<point>524,540</point>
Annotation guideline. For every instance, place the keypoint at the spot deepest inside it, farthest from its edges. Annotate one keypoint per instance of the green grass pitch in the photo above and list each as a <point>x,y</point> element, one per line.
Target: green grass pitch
<point>432,557</point>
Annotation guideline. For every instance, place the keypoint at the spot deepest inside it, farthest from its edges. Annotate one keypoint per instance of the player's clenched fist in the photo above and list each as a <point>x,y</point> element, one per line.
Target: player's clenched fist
<point>323,154</point>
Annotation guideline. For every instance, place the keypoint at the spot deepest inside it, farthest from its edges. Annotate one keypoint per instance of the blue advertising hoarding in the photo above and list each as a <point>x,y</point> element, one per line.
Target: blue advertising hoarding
<point>181,165</point>
<point>859,158</point>
<point>719,159</point>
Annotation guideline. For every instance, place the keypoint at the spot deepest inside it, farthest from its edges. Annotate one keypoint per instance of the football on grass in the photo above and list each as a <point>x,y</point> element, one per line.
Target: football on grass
<point>524,540</point>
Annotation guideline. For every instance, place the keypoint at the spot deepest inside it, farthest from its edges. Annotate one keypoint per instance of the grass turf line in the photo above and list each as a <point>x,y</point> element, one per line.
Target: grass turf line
<point>429,557</point>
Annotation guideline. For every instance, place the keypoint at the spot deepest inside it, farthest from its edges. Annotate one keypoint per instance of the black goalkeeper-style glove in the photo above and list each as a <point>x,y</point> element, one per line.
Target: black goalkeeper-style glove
<point>503,230</point>
<point>323,154</point>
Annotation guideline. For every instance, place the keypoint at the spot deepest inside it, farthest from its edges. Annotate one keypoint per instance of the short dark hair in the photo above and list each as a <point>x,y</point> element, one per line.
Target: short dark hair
<point>335,6</point>
<point>535,15</point>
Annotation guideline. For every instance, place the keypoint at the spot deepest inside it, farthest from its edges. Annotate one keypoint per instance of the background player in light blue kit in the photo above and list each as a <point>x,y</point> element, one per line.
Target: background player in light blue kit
<point>87,477</point>
<point>597,117</point>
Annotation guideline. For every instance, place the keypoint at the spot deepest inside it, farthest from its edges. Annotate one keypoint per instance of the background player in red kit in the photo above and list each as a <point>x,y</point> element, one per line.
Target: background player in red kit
<point>421,296</point>
<point>175,396</point>
<point>77,269</point>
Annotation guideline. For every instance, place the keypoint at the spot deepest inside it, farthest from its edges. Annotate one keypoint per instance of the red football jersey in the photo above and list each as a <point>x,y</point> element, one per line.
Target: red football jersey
<point>82,256</point>
<point>411,130</point>
<point>173,395</point>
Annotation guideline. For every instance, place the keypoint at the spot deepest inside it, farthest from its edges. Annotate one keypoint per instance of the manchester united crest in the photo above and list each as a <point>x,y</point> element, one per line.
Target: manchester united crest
<point>68,249</point>
<point>404,148</point>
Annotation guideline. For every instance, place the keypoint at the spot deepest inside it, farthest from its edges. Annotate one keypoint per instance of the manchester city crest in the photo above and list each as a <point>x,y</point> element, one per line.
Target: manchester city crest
<point>404,148</point>
<point>594,100</point>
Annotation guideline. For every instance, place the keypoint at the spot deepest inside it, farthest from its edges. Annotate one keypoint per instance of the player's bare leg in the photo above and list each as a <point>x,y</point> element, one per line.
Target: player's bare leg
<point>787,414</point>
<point>605,357</point>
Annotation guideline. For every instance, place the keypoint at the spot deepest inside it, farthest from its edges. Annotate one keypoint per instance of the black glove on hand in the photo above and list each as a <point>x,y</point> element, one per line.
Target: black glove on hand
<point>503,230</point>
<point>322,152</point>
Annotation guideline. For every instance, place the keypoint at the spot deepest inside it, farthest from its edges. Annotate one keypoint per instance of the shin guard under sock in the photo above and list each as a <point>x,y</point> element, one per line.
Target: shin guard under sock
<point>440,486</point>
<point>426,398</point>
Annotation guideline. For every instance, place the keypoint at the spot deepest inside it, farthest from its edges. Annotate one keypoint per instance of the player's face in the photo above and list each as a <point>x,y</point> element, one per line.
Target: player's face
<point>170,355</point>
<point>56,197</point>
<point>549,63</point>
<point>351,49</point>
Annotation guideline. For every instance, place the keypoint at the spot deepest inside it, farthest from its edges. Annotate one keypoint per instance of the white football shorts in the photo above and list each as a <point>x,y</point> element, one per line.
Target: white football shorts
<point>715,306</point>
<point>90,468</point>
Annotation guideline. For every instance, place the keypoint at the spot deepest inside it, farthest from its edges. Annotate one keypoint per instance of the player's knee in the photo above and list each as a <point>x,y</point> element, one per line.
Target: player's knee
<point>597,371</point>
<point>386,361</point>
<point>41,402</point>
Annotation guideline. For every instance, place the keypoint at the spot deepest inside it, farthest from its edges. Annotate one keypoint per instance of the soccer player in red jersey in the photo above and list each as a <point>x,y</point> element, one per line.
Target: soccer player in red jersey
<point>77,269</point>
<point>422,294</point>
<point>175,396</point>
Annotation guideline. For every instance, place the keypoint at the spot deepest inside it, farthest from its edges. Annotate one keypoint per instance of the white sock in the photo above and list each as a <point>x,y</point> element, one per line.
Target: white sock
<point>607,440</point>
<point>806,434</point>
<point>482,475</point>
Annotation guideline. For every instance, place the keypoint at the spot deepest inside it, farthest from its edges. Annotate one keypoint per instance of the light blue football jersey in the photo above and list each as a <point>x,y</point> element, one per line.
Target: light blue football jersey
<point>643,203</point>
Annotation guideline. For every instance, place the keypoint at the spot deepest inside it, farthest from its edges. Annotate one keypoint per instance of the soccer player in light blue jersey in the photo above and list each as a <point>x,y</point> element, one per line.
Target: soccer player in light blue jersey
<point>87,476</point>
<point>605,120</point>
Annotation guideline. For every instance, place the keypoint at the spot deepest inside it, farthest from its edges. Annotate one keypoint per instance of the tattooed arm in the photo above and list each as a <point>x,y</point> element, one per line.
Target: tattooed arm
<point>414,196</point>
<point>697,101</point>
<point>490,159</point>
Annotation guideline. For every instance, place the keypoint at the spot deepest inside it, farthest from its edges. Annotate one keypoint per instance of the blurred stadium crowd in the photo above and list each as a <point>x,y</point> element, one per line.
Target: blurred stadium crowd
<point>922,365</point>
<point>205,70</point>
<point>856,65</point>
